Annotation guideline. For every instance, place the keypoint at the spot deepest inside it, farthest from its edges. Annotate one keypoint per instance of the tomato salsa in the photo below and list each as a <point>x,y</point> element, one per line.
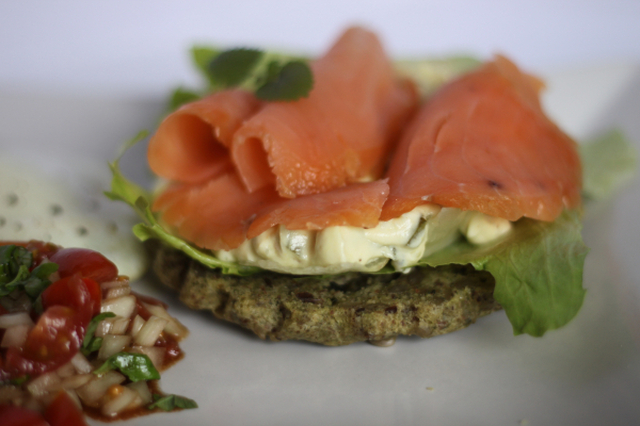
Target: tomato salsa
<point>74,338</point>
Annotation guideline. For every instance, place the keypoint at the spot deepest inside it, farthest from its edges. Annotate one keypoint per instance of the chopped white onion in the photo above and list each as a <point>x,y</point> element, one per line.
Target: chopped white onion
<point>44,383</point>
<point>91,393</point>
<point>104,327</point>
<point>138,322</point>
<point>155,354</point>
<point>173,327</point>
<point>115,292</point>
<point>66,370</point>
<point>137,402</point>
<point>121,306</point>
<point>143,391</point>
<point>15,336</point>
<point>76,381</point>
<point>81,363</point>
<point>16,318</point>
<point>119,325</point>
<point>120,282</point>
<point>123,400</point>
<point>112,344</point>
<point>150,331</point>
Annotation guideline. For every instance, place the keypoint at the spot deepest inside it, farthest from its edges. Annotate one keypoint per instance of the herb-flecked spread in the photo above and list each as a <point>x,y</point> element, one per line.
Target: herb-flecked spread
<point>335,310</point>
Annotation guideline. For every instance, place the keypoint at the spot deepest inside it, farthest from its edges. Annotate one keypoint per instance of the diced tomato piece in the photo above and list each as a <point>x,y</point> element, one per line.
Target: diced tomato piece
<point>82,294</point>
<point>172,351</point>
<point>87,263</point>
<point>20,416</point>
<point>51,343</point>
<point>14,243</point>
<point>63,412</point>
<point>41,250</point>
<point>96,294</point>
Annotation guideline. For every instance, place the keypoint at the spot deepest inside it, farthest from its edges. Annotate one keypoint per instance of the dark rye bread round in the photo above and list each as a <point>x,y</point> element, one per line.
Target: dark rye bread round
<point>335,310</point>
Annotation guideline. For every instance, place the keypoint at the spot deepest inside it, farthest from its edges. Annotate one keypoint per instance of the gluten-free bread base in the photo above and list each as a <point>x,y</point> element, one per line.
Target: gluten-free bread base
<point>333,310</point>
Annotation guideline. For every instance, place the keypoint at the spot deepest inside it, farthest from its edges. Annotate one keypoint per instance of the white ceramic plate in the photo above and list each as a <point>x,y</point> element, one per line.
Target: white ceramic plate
<point>587,373</point>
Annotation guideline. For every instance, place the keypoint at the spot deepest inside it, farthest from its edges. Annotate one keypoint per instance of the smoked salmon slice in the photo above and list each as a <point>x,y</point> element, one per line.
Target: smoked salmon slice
<point>357,204</point>
<point>483,143</point>
<point>341,133</point>
<point>191,144</point>
<point>214,215</point>
<point>221,214</point>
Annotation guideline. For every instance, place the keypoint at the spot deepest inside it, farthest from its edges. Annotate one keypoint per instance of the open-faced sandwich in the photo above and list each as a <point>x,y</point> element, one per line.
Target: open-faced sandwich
<point>362,210</point>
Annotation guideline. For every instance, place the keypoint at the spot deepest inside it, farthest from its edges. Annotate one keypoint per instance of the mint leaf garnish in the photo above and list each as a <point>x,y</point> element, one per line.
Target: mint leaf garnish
<point>201,57</point>
<point>231,67</point>
<point>287,82</point>
<point>272,77</point>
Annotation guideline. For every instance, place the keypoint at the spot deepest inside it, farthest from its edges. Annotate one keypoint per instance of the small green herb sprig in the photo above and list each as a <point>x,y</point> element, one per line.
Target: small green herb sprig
<point>270,76</point>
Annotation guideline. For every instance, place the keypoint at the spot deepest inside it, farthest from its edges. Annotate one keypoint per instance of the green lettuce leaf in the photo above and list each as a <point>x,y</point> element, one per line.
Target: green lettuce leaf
<point>537,268</point>
<point>609,162</point>
<point>429,74</point>
<point>124,190</point>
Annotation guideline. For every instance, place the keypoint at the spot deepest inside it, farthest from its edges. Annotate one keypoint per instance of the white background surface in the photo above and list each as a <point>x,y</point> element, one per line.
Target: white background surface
<point>78,78</point>
<point>139,47</point>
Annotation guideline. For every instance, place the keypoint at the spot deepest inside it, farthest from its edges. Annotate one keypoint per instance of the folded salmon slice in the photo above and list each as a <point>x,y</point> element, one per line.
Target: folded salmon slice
<point>341,133</point>
<point>191,144</point>
<point>221,214</point>
<point>483,143</point>
<point>357,204</point>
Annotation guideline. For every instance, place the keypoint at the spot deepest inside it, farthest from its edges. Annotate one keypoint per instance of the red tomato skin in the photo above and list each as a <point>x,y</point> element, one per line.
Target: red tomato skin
<point>20,416</point>
<point>51,343</point>
<point>96,294</point>
<point>87,263</point>
<point>82,294</point>
<point>63,412</point>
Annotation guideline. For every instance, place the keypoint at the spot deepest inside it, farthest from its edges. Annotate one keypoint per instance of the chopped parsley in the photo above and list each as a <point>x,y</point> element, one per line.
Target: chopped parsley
<point>91,343</point>
<point>171,402</point>
<point>15,262</point>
